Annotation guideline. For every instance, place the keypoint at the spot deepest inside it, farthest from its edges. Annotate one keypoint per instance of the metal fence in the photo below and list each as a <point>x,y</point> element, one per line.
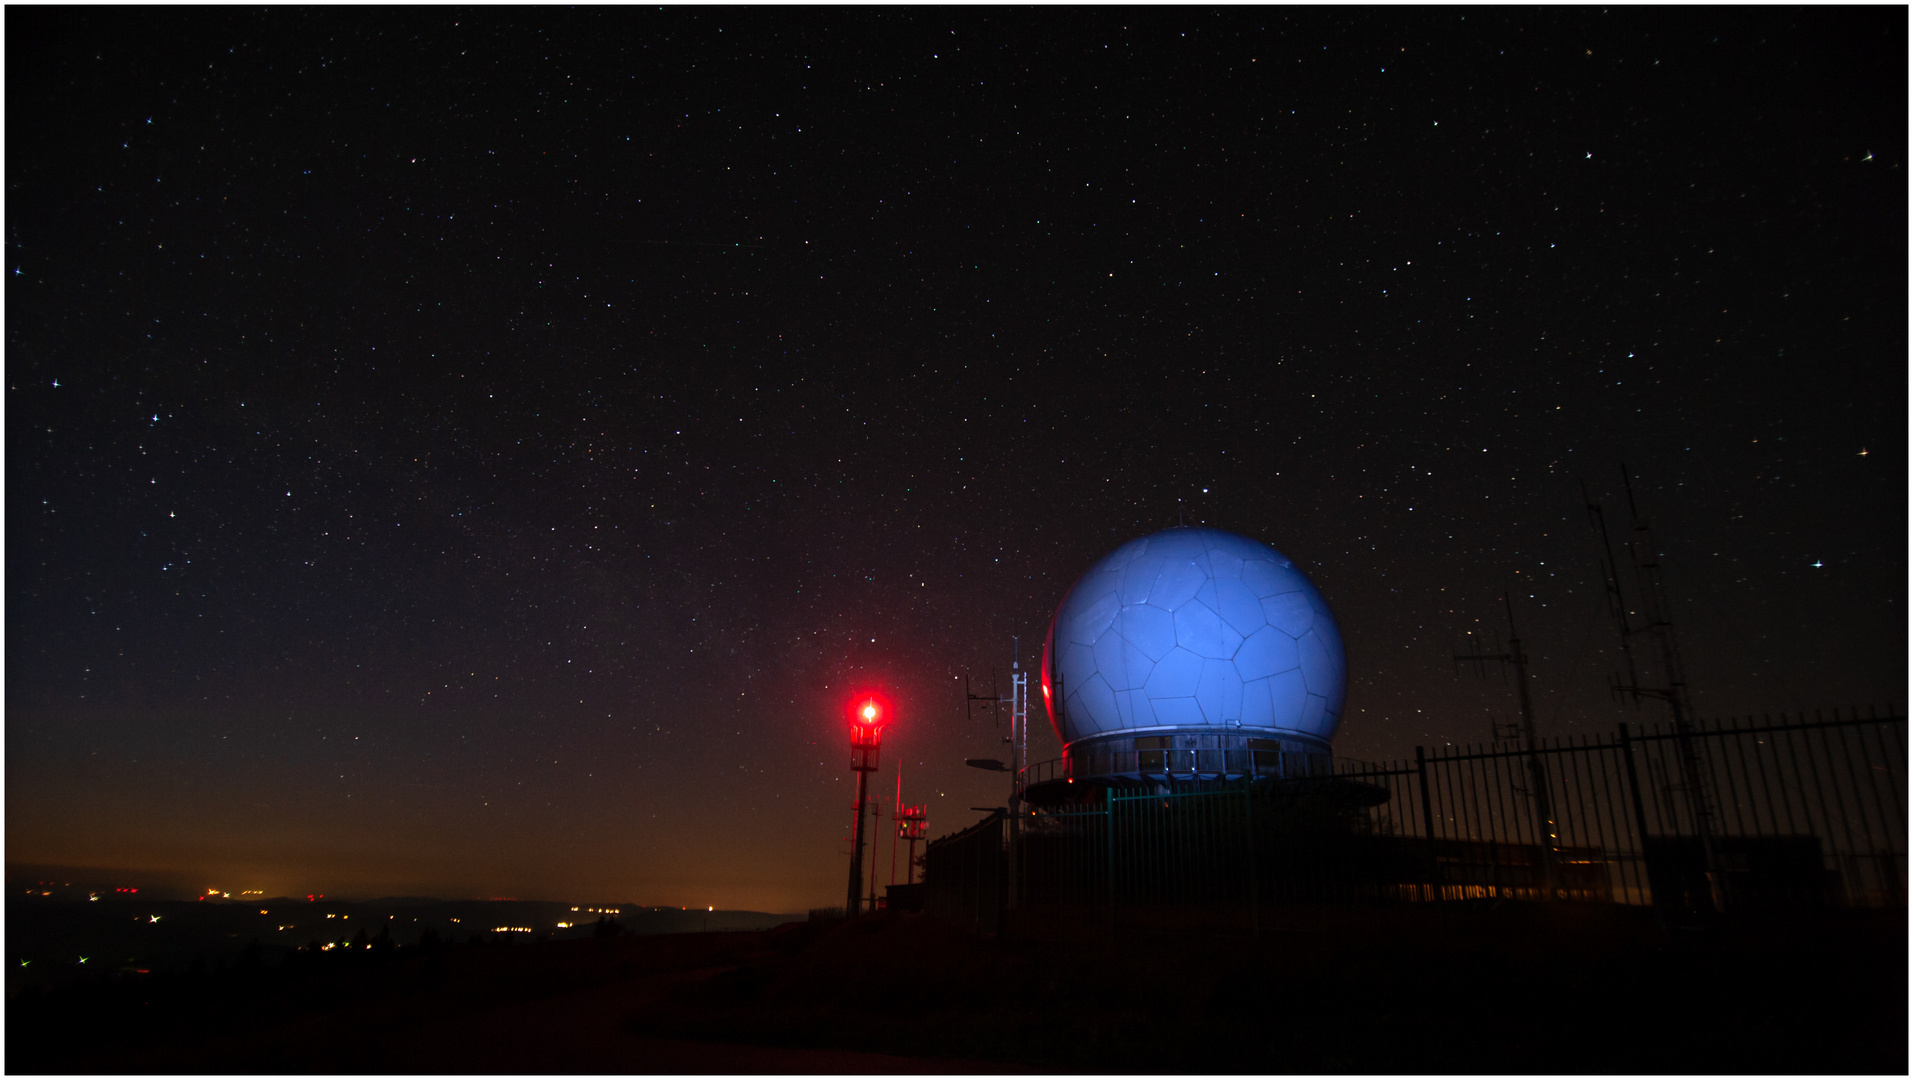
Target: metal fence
<point>1732,814</point>
<point>964,876</point>
<point>1739,812</point>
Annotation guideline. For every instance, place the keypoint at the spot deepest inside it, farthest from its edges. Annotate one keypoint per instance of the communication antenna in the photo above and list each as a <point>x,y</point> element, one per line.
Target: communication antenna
<point>989,701</point>
<point>1018,704</point>
<point>1019,717</point>
<point>1616,602</point>
<point>1651,588</point>
<point>910,821</point>
<point>993,702</point>
<point>1018,740</point>
<point>1537,770</point>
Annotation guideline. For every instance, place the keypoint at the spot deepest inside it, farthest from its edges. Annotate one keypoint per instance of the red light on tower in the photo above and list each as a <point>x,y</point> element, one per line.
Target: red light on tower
<point>868,713</point>
<point>869,710</point>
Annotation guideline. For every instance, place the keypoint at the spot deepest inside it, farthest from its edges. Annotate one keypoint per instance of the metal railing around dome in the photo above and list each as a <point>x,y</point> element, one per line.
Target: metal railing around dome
<point>1191,764</point>
<point>1743,813</point>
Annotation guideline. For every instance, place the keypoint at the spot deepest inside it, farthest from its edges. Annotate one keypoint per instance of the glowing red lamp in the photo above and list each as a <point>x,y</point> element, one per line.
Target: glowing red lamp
<point>868,713</point>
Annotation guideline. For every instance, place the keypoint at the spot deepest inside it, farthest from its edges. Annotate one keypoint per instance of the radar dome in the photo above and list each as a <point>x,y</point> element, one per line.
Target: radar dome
<point>1194,630</point>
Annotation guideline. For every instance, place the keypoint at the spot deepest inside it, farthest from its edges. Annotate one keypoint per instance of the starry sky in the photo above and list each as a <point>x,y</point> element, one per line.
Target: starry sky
<point>478,452</point>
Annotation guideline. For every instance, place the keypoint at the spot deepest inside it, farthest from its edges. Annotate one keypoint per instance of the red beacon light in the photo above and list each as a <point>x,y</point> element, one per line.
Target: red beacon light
<point>867,715</point>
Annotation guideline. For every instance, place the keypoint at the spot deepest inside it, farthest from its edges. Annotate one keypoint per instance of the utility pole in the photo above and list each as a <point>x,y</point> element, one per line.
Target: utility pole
<point>1537,769</point>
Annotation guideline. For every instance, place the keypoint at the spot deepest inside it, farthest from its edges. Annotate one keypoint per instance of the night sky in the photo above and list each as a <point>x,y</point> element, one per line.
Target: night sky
<point>478,452</point>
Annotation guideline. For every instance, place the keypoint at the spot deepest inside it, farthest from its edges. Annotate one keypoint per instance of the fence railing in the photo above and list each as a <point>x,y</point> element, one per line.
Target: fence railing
<point>1181,763</point>
<point>1720,815</point>
<point>964,877</point>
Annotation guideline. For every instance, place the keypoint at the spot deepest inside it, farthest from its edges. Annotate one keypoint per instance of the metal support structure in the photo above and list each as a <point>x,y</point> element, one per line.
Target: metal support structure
<point>866,745</point>
<point>1640,810</point>
<point>1427,818</point>
<point>1548,833</point>
<point>911,823</point>
<point>1019,752</point>
<point>852,898</point>
<point>896,809</point>
<point>1018,740</point>
<point>1812,813</point>
<point>1651,588</point>
<point>876,814</point>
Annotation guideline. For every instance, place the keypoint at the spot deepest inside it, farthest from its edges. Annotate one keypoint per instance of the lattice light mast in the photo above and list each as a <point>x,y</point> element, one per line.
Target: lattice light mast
<point>868,714</point>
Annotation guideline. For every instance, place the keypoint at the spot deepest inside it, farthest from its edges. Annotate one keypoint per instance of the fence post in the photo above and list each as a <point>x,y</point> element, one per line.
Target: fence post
<point>1640,820</point>
<point>1109,853</point>
<point>1255,884</point>
<point>1427,820</point>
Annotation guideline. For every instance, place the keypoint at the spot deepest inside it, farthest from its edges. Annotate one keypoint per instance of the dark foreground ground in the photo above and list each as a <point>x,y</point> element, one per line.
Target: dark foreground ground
<point>1561,989</point>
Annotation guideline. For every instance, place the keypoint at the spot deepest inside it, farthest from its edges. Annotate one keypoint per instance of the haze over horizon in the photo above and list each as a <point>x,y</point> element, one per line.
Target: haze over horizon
<point>478,452</point>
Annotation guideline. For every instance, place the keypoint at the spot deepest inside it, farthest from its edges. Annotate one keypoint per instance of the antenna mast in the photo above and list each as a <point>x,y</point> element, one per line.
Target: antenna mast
<point>1537,771</point>
<point>1645,554</point>
<point>1018,740</point>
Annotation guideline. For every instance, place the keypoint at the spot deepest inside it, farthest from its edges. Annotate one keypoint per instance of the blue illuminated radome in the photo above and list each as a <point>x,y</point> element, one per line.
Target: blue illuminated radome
<point>1194,629</point>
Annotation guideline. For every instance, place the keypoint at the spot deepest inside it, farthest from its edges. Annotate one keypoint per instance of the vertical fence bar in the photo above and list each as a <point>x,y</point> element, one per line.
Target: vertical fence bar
<point>1780,770</point>
<point>1497,814</point>
<point>1573,768</point>
<point>1428,823</point>
<point>1717,766</point>
<point>1889,757</point>
<point>1466,766</point>
<point>1746,774</point>
<point>1889,876</point>
<point>1613,835</point>
<point>1455,824</point>
<point>1480,764</point>
<point>1512,812</point>
<point>1640,815</point>
<point>1765,749</point>
<point>1610,781</point>
<point>1820,794</point>
<point>1859,805</point>
<point>1710,785</point>
<point>1849,863</point>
